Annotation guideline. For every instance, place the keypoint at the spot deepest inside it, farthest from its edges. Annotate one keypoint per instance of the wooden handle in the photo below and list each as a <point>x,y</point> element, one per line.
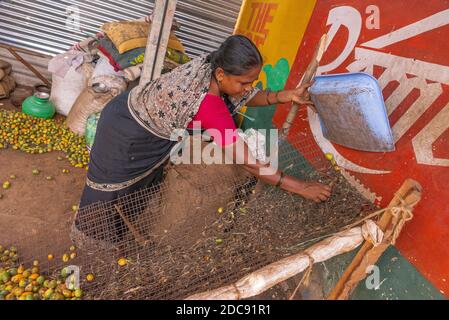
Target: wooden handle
<point>308,76</point>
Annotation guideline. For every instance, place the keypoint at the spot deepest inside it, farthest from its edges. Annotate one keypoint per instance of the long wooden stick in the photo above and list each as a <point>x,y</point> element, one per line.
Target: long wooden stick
<point>410,193</point>
<point>29,66</point>
<point>163,14</point>
<point>139,238</point>
<point>308,75</point>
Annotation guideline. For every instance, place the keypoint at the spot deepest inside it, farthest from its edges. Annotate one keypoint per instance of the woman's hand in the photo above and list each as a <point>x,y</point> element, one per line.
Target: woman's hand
<point>300,96</point>
<point>310,190</point>
<point>315,191</point>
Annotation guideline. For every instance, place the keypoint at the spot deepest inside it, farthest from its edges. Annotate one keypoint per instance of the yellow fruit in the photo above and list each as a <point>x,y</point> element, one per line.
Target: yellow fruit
<point>65,257</point>
<point>74,208</point>
<point>22,283</point>
<point>48,293</point>
<point>6,185</point>
<point>90,277</point>
<point>218,241</point>
<point>78,293</point>
<point>72,248</point>
<point>220,210</point>
<point>73,255</point>
<point>67,293</point>
<point>52,284</point>
<point>17,292</point>
<point>35,263</point>
<point>36,172</point>
<point>34,270</point>
<point>34,276</point>
<point>17,278</point>
<point>122,262</point>
<point>12,176</point>
<point>20,269</point>
<point>49,178</point>
<point>50,257</point>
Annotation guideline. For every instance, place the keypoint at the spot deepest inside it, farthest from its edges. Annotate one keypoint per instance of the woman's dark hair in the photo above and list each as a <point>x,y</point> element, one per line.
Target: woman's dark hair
<point>236,56</point>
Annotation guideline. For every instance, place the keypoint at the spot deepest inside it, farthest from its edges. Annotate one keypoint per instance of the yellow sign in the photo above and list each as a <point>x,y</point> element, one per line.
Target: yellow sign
<point>275,26</point>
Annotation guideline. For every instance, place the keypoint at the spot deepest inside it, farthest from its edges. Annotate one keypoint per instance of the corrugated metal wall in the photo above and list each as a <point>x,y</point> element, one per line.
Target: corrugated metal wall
<point>47,26</point>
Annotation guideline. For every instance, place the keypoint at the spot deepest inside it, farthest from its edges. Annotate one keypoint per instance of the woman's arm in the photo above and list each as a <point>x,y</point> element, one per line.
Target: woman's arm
<point>310,190</point>
<point>299,95</point>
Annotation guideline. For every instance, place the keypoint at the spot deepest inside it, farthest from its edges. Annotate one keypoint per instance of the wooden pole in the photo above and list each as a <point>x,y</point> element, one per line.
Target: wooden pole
<point>409,194</point>
<point>263,279</point>
<point>163,14</point>
<point>308,76</point>
<point>139,238</point>
<point>28,65</point>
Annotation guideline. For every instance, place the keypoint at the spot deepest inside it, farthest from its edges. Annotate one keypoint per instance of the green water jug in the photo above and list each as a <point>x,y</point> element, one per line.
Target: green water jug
<point>39,106</point>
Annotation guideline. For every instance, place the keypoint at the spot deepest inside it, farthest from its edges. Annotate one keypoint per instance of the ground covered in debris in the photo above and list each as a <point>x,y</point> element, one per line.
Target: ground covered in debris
<point>227,230</point>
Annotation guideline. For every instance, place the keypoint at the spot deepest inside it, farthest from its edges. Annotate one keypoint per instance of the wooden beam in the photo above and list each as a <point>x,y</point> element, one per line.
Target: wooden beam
<point>163,14</point>
<point>408,195</point>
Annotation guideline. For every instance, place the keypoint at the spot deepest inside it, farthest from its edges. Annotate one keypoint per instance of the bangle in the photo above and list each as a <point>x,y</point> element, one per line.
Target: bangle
<point>275,96</point>
<point>281,178</point>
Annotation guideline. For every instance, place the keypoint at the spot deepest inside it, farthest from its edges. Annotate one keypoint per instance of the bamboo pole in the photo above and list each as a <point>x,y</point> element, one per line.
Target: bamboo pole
<point>162,19</point>
<point>274,273</point>
<point>308,75</point>
<point>409,194</point>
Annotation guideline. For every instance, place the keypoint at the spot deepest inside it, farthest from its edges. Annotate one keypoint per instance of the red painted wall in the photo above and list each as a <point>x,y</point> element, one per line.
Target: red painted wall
<point>403,43</point>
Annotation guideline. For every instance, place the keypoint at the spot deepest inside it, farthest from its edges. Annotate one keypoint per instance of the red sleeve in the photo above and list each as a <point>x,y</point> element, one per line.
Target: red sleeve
<point>215,117</point>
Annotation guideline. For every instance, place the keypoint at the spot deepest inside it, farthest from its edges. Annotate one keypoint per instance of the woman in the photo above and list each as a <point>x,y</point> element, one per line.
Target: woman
<point>135,132</point>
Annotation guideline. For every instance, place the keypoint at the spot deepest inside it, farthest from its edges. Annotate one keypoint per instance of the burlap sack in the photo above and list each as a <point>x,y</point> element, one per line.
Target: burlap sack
<point>90,101</point>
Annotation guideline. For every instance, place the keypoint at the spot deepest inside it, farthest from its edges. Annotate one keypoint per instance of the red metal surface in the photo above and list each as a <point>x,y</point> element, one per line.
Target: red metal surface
<point>417,92</point>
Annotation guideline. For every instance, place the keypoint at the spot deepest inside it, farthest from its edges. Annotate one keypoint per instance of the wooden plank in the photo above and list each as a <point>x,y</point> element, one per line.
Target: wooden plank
<point>163,14</point>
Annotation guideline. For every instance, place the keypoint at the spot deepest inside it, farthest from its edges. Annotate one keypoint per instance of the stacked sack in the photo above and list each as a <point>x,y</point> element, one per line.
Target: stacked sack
<point>103,66</point>
<point>7,83</point>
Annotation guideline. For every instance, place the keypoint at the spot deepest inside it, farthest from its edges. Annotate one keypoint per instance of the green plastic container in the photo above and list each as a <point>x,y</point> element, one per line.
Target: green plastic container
<point>39,106</point>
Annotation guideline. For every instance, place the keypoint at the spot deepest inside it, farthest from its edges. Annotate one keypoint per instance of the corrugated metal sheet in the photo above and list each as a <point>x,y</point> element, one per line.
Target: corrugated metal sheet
<point>45,26</point>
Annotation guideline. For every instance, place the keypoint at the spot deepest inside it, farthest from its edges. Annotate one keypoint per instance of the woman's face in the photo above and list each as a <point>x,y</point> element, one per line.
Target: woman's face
<point>236,86</point>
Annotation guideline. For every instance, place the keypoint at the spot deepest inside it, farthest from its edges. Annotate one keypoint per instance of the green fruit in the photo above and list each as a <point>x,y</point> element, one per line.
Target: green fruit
<point>22,283</point>
<point>5,277</point>
<point>12,271</point>
<point>40,280</point>
<point>64,272</point>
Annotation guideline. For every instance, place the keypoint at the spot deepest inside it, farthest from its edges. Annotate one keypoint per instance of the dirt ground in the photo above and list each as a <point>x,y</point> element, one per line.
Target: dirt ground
<point>35,209</point>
